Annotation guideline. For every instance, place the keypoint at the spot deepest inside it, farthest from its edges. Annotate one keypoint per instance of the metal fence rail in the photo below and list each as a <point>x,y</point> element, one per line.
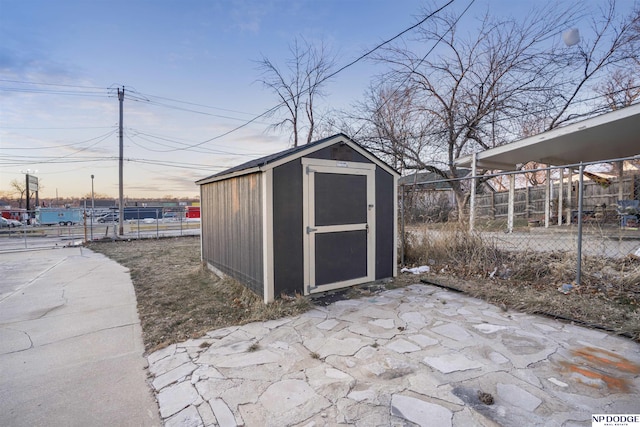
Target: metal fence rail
<point>551,209</point>
<point>27,236</point>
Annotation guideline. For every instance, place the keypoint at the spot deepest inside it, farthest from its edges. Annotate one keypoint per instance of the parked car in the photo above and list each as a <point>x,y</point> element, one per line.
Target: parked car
<point>13,222</point>
<point>4,222</point>
<point>110,217</point>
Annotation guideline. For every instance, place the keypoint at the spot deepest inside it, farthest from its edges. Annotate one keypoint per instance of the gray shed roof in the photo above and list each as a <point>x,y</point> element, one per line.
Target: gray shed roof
<point>609,136</point>
<point>273,159</point>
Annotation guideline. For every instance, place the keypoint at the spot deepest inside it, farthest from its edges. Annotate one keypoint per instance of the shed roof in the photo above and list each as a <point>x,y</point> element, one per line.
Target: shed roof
<point>609,136</point>
<point>276,159</point>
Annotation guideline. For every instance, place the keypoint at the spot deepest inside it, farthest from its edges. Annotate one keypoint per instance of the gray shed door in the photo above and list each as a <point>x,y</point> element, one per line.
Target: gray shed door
<point>339,211</point>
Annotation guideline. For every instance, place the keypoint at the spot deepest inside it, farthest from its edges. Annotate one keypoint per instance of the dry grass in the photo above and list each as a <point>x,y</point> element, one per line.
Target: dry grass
<point>179,299</point>
<point>608,295</point>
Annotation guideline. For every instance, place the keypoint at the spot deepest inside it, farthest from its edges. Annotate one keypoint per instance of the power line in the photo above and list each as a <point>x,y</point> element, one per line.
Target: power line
<point>56,128</point>
<point>101,137</point>
<point>51,84</point>
<point>53,92</point>
<point>420,62</point>
<point>178,165</point>
<point>341,69</point>
<point>174,107</point>
<point>147,96</point>
<point>184,145</point>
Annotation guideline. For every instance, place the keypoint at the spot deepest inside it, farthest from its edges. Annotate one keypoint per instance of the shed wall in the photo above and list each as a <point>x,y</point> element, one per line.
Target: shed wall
<point>232,227</point>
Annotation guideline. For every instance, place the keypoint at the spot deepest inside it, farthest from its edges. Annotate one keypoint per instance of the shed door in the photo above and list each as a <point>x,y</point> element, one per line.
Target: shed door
<point>339,226</point>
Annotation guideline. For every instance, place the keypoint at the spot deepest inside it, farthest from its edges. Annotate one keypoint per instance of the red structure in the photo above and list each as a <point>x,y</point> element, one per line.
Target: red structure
<point>193,212</point>
<point>21,214</point>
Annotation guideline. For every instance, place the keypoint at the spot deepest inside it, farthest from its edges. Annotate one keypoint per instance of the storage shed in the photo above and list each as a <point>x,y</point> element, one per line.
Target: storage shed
<point>309,219</point>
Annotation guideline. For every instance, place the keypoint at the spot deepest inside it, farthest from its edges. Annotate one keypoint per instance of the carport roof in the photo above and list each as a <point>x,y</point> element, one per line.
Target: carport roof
<point>609,136</point>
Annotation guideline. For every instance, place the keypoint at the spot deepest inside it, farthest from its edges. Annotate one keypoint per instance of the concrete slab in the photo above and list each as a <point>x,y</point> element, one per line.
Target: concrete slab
<point>72,351</point>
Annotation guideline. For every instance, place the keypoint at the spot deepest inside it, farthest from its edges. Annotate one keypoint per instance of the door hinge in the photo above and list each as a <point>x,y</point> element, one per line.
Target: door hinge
<point>311,230</point>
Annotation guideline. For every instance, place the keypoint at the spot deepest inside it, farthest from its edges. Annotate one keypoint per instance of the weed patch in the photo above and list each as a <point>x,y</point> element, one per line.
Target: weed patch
<point>607,297</point>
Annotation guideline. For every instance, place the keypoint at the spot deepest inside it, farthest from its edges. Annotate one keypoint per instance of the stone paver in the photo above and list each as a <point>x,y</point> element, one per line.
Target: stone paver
<point>413,356</point>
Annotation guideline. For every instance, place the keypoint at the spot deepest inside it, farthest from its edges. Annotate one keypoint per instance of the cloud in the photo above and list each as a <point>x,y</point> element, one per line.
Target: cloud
<point>248,15</point>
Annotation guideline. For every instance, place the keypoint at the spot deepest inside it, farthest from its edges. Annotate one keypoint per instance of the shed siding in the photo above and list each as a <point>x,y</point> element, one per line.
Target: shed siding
<point>232,226</point>
<point>288,265</point>
<point>385,240</point>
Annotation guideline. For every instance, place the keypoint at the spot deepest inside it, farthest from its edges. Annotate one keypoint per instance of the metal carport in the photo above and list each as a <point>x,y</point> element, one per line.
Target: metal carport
<point>610,136</point>
<point>605,138</point>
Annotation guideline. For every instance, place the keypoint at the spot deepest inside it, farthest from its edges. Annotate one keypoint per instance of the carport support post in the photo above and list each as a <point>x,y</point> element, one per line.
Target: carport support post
<point>580,199</point>
<point>561,171</point>
<point>512,196</point>
<point>472,201</point>
<point>569,195</point>
<point>547,198</point>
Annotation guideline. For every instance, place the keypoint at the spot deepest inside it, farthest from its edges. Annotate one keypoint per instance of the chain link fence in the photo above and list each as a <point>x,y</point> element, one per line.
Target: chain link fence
<point>568,211</point>
<point>25,230</point>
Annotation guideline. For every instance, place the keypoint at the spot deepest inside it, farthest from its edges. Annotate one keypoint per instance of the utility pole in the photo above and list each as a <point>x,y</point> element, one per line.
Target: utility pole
<point>121,193</point>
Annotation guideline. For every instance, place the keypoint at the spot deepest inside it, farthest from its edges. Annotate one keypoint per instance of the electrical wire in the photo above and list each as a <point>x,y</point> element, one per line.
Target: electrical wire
<point>172,148</point>
<point>147,96</point>
<point>173,107</point>
<point>178,165</point>
<point>51,84</point>
<point>255,118</point>
<point>341,69</point>
<point>53,92</point>
<point>419,63</point>
<point>58,128</point>
<point>101,137</point>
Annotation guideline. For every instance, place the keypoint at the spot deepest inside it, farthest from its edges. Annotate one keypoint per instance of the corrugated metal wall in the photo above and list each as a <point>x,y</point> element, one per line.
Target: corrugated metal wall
<point>232,228</point>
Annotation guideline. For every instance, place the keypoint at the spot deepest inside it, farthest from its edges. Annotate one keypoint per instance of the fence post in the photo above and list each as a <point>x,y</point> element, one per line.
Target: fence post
<point>401,224</point>
<point>472,201</point>
<point>84,220</point>
<point>527,208</point>
<point>24,228</point>
<point>493,205</point>
<point>580,199</point>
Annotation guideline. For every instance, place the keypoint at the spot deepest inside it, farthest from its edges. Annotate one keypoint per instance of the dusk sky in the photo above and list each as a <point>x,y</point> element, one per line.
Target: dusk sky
<point>190,76</point>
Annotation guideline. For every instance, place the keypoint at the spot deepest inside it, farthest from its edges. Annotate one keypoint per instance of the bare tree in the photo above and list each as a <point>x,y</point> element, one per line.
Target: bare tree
<point>474,93</point>
<point>621,89</point>
<point>612,47</point>
<point>392,126</point>
<point>19,188</point>
<point>297,85</point>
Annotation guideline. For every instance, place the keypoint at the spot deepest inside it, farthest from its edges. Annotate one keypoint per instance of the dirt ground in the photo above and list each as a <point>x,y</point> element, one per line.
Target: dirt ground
<point>178,298</point>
